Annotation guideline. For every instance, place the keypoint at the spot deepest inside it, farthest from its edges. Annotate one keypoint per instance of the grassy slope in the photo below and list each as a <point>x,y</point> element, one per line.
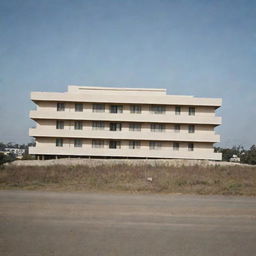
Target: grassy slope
<point>226,180</point>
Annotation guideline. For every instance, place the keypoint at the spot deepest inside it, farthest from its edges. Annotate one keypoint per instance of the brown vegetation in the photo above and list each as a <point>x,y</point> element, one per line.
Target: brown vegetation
<point>226,180</point>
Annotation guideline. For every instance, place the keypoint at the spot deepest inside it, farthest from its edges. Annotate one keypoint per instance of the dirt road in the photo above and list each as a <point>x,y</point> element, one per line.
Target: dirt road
<point>59,224</point>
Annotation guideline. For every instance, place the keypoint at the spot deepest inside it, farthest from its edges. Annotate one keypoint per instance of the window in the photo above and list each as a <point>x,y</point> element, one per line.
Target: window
<point>157,127</point>
<point>191,111</point>
<point>60,106</point>
<point>78,143</point>
<point>116,109</point>
<point>98,143</point>
<point>177,128</point>
<point>176,146</point>
<point>114,144</point>
<point>79,107</point>
<point>190,147</point>
<point>98,125</point>
<point>155,145</point>
<point>133,144</point>
<point>78,125</point>
<point>97,107</point>
<point>191,128</point>
<point>177,110</point>
<point>157,109</point>
<point>59,142</point>
<point>115,126</point>
<point>59,124</point>
<point>135,109</point>
<point>134,127</point>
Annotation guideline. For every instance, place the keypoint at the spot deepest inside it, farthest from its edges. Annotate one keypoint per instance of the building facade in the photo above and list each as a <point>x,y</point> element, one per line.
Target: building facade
<point>123,122</point>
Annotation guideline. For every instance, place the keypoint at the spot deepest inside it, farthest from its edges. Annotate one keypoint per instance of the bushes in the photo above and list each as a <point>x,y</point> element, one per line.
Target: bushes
<point>246,156</point>
<point>28,157</point>
<point>6,158</point>
<point>249,156</point>
<point>231,180</point>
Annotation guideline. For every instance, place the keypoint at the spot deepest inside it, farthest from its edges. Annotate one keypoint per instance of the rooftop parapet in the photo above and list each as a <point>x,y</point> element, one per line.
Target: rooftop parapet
<point>126,99</point>
<point>115,90</point>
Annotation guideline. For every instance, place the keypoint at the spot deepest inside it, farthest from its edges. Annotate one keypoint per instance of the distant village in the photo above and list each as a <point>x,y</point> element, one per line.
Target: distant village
<point>15,150</point>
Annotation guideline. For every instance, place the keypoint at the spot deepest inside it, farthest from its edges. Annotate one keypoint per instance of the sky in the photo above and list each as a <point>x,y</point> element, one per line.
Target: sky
<point>190,47</point>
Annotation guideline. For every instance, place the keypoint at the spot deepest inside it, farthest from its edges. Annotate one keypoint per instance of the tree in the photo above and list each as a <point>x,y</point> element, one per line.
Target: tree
<point>6,158</point>
<point>227,153</point>
<point>2,146</point>
<point>249,156</point>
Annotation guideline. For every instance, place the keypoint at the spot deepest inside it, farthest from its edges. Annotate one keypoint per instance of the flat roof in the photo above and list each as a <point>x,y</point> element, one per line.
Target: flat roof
<point>117,88</point>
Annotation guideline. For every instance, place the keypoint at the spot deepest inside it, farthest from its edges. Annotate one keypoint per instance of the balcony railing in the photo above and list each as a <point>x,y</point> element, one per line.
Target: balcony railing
<point>124,152</point>
<point>126,135</point>
<point>126,117</point>
<point>126,99</point>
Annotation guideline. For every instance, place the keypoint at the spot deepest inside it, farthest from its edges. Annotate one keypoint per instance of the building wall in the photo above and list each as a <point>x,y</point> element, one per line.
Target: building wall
<point>170,110</point>
<point>46,146</point>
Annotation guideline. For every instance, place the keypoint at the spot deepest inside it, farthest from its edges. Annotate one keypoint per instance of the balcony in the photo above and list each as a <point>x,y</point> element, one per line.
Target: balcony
<point>126,117</point>
<point>123,152</point>
<point>126,99</point>
<point>210,137</point>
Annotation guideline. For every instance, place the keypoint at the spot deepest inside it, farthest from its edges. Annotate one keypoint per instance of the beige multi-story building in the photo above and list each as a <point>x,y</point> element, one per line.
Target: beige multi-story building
<point>123,122</point>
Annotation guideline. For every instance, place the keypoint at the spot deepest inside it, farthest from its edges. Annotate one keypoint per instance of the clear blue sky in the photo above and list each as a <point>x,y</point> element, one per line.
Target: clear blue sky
<point>201,48</point>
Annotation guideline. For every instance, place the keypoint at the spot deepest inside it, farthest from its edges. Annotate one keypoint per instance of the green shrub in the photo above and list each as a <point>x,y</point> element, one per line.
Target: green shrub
<point>6,158</point>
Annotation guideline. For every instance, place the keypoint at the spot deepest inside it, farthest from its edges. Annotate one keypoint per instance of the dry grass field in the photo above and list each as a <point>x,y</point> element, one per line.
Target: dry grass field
<point>205,180</point>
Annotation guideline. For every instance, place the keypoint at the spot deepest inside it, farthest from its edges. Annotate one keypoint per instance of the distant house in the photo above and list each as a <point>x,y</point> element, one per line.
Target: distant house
<point>18,152</point>
<point>4,152</point>
<point>234,158</point>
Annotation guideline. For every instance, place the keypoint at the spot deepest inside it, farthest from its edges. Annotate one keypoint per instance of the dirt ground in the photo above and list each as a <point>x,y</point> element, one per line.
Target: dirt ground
<point>132,177</point>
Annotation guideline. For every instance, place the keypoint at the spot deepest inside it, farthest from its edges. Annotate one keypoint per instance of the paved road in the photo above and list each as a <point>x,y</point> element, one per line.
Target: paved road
<point>60,224</point>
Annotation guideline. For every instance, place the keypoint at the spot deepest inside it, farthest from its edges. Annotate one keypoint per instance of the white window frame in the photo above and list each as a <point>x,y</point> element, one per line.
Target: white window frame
<point>155,145</point>
<point>135,109</point>
<point>177,110</point>
<point>59,142</point>
<point>135,127</point>
<point>156,127</point>
<point>191,128</point>
<point>78,125</point>
<point>116,109</point>
<point>78,143</point>
<point>134,144</point>
<point>79,107</point>
<point>176,146</point>
<point>97,143</point>
<point>117,144</point>
<point>98,107</point>
<point>61,106</point>
<point>158,109</point>
<point>191,111</point>
<point>177,128</point>
<point>98,125</point>
<point>191,147</point>
<point>59,124</point>
<point>118,127</point>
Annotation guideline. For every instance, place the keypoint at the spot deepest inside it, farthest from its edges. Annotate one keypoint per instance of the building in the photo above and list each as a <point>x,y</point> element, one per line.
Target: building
<point>18,152</point>
<point>124,122</point>
<point>235,159</point>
